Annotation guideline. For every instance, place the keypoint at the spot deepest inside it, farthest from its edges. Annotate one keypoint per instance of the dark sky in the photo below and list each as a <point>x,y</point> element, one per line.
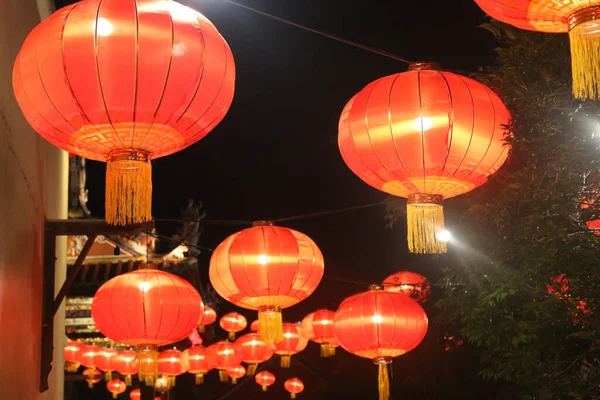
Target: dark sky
<point>275,154</point>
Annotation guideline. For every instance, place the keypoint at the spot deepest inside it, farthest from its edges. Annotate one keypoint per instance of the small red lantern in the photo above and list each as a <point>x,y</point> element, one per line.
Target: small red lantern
<point>233,323</point>
<point>255,326</point>
<point>266,268</point>
<point>209,316</point>
<point>136,394</point>
<point>194,361</point>
<point>116,387</point>
<point>323,330</point>
<point>253,351</point>
<point>429,135</point>
<point>380,325</point>
<point>222,356</point>
<point>104,361</point>
<point>294,386</point>
<point>146,308</point>
<point>126,364</point>
<point>170,365</point>
<point>409,283</point>
<point>293,342</point>
<point>306,327</point>
<point>87,355</point>
<point>92,376</point>
<point>236,372</point>
<point>265,379</point>
<point>71,354</point>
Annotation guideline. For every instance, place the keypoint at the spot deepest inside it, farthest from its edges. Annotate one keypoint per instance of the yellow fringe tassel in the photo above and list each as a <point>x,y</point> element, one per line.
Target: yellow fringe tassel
<point>234,381</point>
<point>264,388</point>
<point>292,395</point>
<point>115,395</point>
<point>324,350</point>
<point>108,376</point>
<point>199,379</point>
<point>127,380</point>
<point>330,351</point>
<point>383,382</point>
<point>251,369</point>
<point>270,325</point>
<point>223,377</point>
<point>585,63</point>
<point>424,222</point>
<point>90,384</point>
<point>172,381</point>
<point>286,361</point>
<point>128,192</point>
<point>231,336</point>
<point>201,328</point>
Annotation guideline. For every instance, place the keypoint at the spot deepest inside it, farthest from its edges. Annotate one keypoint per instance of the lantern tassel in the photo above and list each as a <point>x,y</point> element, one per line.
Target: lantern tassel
<point>585,63</point>
<point>324,350</point>
<point>148,363</point>
<point>108,376</point>
<point>199,379</point>
<point>172,381</point>
<point>128,380</point>
<point>90,384</point>
<point>234,381</point>
<point>384,382</point>
<point>231,336</point>
<point>115,395</point>
<point>292,395</point>
<point>425,219</point>
<point>270,324</point>
<point>223,377</point>
<point>251,370</point>
<point>331,351</point>
<point>286,361</point>
<point>201,328</point>
<point>264,388</point>
<point>128,188</point>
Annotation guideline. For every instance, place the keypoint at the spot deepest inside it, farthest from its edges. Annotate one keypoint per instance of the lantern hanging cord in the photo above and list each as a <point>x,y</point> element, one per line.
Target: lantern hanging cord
<point>327,35</point>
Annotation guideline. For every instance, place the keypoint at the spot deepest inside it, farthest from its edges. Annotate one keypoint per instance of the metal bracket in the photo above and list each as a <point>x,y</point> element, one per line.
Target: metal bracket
<point>91,228</point>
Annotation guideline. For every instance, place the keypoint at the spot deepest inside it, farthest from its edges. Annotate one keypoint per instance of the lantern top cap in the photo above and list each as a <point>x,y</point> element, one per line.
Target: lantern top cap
<point>375,287</point>
<point>262,223</point>
<point>424,66</point>
<point>147,265</point>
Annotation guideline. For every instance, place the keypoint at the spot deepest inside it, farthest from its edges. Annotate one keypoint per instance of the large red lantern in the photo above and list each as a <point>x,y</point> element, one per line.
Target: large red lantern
<point>294,386</point>
<point>253,351</point>
<point>169,364</point>
<point>578,18</point>
<point>126,364</point>
<point>71,354</point>
<point>124,82</point>
<point>146,308</point>
<point>104,360</point>
<point>194,361</point>
<point>116,387</point>
<point>209,316</point>
<point>236,373</point>
<point>233,323</point>
<point>293,343</point>
<point>426,135</point>
<point>265,379</point>
<point>266,268</point>
<point>380,325</point>
<point>408,283</point>
<point>222,356</point>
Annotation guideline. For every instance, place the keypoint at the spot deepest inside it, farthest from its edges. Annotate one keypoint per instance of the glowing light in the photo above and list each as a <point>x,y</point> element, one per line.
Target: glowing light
<point>324,322</point>
<point>444,236</point>
<point>406,287</point>
<point>227,351</point>
<point>263,259</point>
<point>173,359</point>
<point>287,335</point>
<point>144,286</point>
<point>377,319</point>
<point>424,123</point>
<point>103,27</point>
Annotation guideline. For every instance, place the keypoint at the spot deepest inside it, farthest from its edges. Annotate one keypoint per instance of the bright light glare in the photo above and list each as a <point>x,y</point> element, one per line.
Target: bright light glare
<point>103,27</point>
<point>287,335</point>
<point>263,259</point>
<point>324,322</point>
<point>144,286</point>
<point>377,319</point>
<point>424,122</point>
<point>444,236</point>
<point>173,359</point>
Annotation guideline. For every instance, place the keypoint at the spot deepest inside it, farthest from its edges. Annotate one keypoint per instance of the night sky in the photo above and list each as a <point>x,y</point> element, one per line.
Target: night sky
<point>275,155</point>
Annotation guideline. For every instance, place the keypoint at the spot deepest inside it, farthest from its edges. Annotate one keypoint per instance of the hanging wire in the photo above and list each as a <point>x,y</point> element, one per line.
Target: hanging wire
<point>345,280</point>
<point>205,221</point>
<point>327,35</point>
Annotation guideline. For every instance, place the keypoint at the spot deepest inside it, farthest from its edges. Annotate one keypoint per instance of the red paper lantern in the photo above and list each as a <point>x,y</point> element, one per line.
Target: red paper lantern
<point>87,355</point>
<point>126,364</point>
<point>169,364</point>
<point>233,323</point>
<point>294,386</point>
<point>266,268</point>
<point>255,326</point>
<point>136,394</point>
<point>306,327</point>
<point>116,387</point>
<point>71,354</point>
<point>146,308</point>
<point>253,351</point>
<point>194,361</point>
<point>321,329</point>
<point>380,325</point>
<point>124,82</point>
<point>425,135</point>
<point>408,283</point>
<point>209,316</point>
<point>293,342</point>
<point>265,379</point>
<point>222,356</point>
<point>92,376</point>
<point>104,361</point>
<point>578,18</point>
<point>236,373</point>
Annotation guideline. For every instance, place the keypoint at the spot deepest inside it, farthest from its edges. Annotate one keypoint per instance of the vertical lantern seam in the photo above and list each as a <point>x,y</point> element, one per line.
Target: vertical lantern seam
<point>451,132</point>
<point>137,69</point>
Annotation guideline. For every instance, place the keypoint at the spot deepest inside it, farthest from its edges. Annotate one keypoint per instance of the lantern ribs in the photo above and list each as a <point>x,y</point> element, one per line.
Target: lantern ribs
<point>91,228</point>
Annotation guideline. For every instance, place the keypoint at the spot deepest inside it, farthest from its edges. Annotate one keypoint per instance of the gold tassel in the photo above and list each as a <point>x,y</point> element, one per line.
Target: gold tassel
<point>251,369</point>
<point>115,395</point>
<point>292,395</point>
<point>324,350</point>
<point>148,363</point>
<point>270,324</point>
<point>128,187</point>
<point>128,380</point>
<point>383,382</point>
<point>331,351</point>
<point>425,219</point>
<point>172,381</point>
<point>234,381</point>
<point>108,376</point>
<point>91,384</point>
<point>585,57</point>
<point>264,388</point>
<point>223,377</point>
<point>199,379</point>
<point>231,336</point>
<point>286,361</point>
<point>201,328</point>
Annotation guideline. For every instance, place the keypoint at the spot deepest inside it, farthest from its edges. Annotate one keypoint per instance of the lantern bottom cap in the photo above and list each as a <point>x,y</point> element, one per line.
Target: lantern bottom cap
<point>382,360</point>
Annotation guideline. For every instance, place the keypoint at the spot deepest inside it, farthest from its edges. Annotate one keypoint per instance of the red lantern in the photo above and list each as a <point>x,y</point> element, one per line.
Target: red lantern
<point>293,342</point>
<point>429,135</point>
<point>266,268</point>
<point>306,327</point>
<point>170,365</point>
<point>116,387</point>
<point>253,351</point>
<point>146,308</point>
<point>104,361</point>
<point>265,379</point>
<point>578,18</point>
<point>255,326</point>
<point>380,325</point>
<point>111,89</point>
<point>209,316</point>
<point>136,394</point>
<point>408,283</point>
<point>71,354</point>
<point>87,355</point>
<point>222,356</point>
<point>322,329</point>
<point>233,323</point>
<point>236,373</point>
<point>294,386</point>
<point>194,361</point>
<point>126,364</point>
<point>92,376</point>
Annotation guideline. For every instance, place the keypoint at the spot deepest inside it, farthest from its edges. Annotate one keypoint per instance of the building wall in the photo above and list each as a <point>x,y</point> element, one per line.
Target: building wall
<point>33,186</point>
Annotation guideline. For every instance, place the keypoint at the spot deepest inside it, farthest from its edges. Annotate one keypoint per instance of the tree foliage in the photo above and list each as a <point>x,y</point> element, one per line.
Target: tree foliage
<point>519,232</point>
